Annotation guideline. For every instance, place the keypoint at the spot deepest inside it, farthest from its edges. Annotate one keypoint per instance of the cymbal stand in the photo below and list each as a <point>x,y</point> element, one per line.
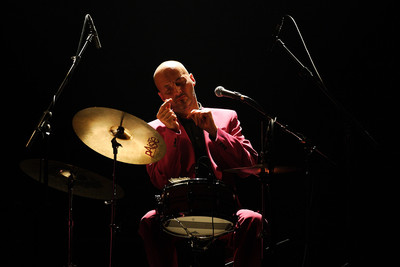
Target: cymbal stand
<point>113,227</point>
<point>70,179</point>
<point>266,156</point>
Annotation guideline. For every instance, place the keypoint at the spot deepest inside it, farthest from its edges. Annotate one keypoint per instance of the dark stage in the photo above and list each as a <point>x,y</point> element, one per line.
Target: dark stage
<point>333,216</point>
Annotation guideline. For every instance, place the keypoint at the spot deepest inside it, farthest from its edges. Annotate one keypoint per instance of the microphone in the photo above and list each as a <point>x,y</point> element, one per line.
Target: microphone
<point>93,30</point>
<point>222,92</point>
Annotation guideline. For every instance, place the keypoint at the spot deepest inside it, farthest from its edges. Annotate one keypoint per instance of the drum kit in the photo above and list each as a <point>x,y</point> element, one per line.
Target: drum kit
<point>197,209</point>
<point>189,208</point>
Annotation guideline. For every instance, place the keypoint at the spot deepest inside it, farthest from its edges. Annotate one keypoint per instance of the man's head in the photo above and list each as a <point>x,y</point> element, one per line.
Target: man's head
<point>174,81</point>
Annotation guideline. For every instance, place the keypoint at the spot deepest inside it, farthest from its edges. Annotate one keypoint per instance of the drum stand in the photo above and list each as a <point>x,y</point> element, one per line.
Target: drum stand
<point>71,179</point>
<point>113,227</point>
<point>204,251</point>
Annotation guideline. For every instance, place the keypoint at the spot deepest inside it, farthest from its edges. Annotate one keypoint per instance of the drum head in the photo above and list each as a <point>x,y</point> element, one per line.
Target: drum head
<point>198,226</point>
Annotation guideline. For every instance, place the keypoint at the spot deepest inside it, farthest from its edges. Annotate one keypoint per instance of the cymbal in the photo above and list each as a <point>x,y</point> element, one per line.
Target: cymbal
<point>86,183</point>
<point>140,143</point>
<point>258,168</point>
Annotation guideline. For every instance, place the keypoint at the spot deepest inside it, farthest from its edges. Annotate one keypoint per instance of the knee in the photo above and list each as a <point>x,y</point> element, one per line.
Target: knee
<point>148,223</point>
<point>250,220</point>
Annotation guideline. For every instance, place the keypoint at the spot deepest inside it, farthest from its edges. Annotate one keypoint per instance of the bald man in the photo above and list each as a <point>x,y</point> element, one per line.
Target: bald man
<point>193,133</point>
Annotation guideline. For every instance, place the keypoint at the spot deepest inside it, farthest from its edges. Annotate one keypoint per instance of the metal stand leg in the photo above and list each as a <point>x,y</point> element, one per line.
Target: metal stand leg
<point>71,180</point>
<point>113,227</point>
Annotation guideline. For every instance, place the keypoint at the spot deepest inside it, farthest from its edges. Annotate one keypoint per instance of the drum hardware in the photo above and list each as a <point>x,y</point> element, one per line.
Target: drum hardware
<point>73,180</point>
<point>198,209</point>
<point>70,176</point>
<point>199,230</point>
<point>132,139</point>
<point>115,145</point>
<point>197,252</point>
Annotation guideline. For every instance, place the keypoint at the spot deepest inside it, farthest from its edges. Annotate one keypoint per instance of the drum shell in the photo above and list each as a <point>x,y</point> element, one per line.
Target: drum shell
<point>198,198</point>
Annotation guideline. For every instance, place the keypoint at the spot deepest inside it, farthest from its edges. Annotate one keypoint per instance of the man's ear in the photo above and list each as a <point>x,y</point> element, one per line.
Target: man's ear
<point>192,78</point>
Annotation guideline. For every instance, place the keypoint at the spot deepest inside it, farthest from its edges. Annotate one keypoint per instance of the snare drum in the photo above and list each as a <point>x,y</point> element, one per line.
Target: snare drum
<point>198,208</point>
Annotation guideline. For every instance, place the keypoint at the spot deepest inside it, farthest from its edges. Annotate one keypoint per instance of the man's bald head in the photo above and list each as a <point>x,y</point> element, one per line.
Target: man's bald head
<point>173,81</point>
<point>168,68</point>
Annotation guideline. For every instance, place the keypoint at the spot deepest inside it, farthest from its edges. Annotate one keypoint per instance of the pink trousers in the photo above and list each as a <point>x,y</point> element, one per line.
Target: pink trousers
<point>245,240</point>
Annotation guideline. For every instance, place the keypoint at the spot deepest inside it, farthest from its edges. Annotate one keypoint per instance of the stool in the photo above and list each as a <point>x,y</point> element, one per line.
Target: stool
<point>203,253</point>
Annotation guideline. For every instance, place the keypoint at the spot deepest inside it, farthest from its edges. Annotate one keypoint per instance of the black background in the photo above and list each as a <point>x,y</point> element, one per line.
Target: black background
<point>222,43</point>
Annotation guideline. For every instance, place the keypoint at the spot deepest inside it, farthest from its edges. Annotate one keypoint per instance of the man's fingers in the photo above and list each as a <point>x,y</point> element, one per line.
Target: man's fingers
<point>164,108</point>
<point>167,116</point>
<point>194,116</point>
<point>204,120</point>
<point>198,114</point>
<point>167,103</point>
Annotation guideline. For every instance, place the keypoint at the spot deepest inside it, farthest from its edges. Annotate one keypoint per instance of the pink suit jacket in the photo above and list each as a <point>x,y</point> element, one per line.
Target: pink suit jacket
<point>230,149</point>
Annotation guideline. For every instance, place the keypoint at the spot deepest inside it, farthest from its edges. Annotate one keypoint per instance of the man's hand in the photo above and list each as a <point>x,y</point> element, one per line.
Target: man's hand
<point>167,116</point>
<point>204,120</point>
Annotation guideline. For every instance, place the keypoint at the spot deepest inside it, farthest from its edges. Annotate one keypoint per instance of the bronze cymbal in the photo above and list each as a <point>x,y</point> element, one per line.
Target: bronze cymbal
<point>140,143</point>
<point>259,168</point>
<point>85,184</point>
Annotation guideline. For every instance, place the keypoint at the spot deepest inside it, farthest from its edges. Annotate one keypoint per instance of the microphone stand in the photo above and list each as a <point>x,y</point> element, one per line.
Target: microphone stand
<point>317,81</point>
<point>300,137</point>
<point>267,157</point>
<point>44,122</point>
<point>308,148</point>
<point>44,127</point>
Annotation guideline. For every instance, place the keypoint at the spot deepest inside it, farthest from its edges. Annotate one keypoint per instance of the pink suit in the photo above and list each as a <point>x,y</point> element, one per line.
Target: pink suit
<point>229,150</point>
